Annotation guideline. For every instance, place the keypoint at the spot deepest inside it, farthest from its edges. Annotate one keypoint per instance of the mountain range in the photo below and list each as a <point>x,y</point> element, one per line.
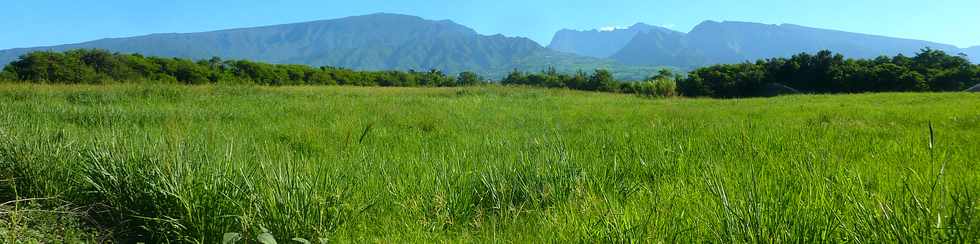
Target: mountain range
<point>369,42</point>
<point>403,42</point>
<point>731,42</point>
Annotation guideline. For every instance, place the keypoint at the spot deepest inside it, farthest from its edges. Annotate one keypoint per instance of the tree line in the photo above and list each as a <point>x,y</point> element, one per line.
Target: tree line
<point>826,72</point>
<point>823,72</point>
<point>663,84</point>
<point>94,66</point>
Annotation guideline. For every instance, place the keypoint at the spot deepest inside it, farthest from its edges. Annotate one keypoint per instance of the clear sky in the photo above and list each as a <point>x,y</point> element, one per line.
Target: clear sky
<point>28,23</point>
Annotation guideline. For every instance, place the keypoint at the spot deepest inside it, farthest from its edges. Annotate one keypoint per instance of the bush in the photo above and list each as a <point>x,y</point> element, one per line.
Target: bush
<point>602,80</point>
<point>468,79</point>
<point>661,87</point>
<point>7,76</point>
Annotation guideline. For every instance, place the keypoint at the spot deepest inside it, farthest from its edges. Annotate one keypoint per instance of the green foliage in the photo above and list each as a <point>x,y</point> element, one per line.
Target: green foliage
<point>90,66</point>
<point>469,78</point>
<point>735,80</point>
<point>662,84</point>
<point>600,80</point>
<point>30,222</point>
<point>570,64</point>
<point>53,67</point>
<point>660,87</point>
<point>825,72</point>
<point>7,76</point>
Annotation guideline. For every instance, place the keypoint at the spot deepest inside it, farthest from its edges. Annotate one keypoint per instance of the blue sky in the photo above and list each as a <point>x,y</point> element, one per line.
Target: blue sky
<point>30,23</point>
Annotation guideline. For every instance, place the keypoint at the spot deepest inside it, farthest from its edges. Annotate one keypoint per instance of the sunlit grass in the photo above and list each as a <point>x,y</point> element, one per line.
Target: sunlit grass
<point>194,163</point>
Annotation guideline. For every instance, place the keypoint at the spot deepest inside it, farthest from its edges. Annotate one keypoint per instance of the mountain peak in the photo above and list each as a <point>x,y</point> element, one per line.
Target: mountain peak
<point>397,16</point>
<point>602,42</point>
<point>708,23</point>
<point>384,15</point>
<point>641,25</point>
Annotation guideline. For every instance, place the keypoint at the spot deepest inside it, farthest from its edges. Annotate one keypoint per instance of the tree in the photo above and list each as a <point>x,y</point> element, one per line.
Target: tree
<point>663,74</point>
<point>823,72</point>
<point>215,63</point>
<point>951,79</point>
<point>107,65</point>
<point>468,79</point>
<point>515,77</point>
<point>892,77</point>
<point>694,85</point>
<point>602,80</point>
<point>52,67</point>
<point>578,81</point>
<point>434,78</point>
<point>727,81</point>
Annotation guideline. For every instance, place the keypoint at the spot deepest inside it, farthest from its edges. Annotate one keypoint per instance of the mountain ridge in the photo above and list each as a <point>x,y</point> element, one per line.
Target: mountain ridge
<point>381,41</point>
<point>386,41</point>
<point>606,42</point>
<point>376,41</point>
<point>713,42</point>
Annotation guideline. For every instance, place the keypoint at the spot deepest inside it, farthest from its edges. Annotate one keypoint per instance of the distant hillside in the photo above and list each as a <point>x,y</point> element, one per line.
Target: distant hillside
<point>598,43</point>
<point>657,47</point>
<point>370,42</point>
<point>379,41</point>
<point>974,54</point>
<point>731,42</point>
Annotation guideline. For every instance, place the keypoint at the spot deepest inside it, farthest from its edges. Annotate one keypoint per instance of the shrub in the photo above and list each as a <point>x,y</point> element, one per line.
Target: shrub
<point>468,78</point>
<point>7,76</point>
<point>661,87</point>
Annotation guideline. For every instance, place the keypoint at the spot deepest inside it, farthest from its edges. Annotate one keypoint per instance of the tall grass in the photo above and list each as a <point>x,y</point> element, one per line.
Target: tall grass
<point>337,164</point>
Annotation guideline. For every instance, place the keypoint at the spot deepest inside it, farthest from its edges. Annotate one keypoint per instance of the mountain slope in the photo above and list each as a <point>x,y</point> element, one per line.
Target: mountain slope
<point>732,42</point>
<point>657,47</point>
<point>728,42</point>
<point>973,53</point>
<point>370,42</point>
<point>598,43</point>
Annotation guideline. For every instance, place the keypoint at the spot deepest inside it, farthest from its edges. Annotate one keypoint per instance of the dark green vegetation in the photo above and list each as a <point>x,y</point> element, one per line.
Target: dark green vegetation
<point>732,42</point>
<point>664,84</point>
<point>199,163</point>
<point>372,42</point>
<point>85,66</point>
<point>825,72</point>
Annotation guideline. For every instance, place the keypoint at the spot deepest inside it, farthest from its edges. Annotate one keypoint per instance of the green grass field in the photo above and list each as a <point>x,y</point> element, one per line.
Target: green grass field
<point>484,164</point>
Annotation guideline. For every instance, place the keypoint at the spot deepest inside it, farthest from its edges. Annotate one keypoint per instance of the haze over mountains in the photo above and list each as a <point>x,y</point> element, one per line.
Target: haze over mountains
<point>974,53</point>
<point>731,42</point>
<point>403,42</point>
<point>599,43</point>
<point>369,42</point>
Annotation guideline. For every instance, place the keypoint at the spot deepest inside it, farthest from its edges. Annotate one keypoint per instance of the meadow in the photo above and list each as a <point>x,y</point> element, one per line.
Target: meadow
<point>221,164</point>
